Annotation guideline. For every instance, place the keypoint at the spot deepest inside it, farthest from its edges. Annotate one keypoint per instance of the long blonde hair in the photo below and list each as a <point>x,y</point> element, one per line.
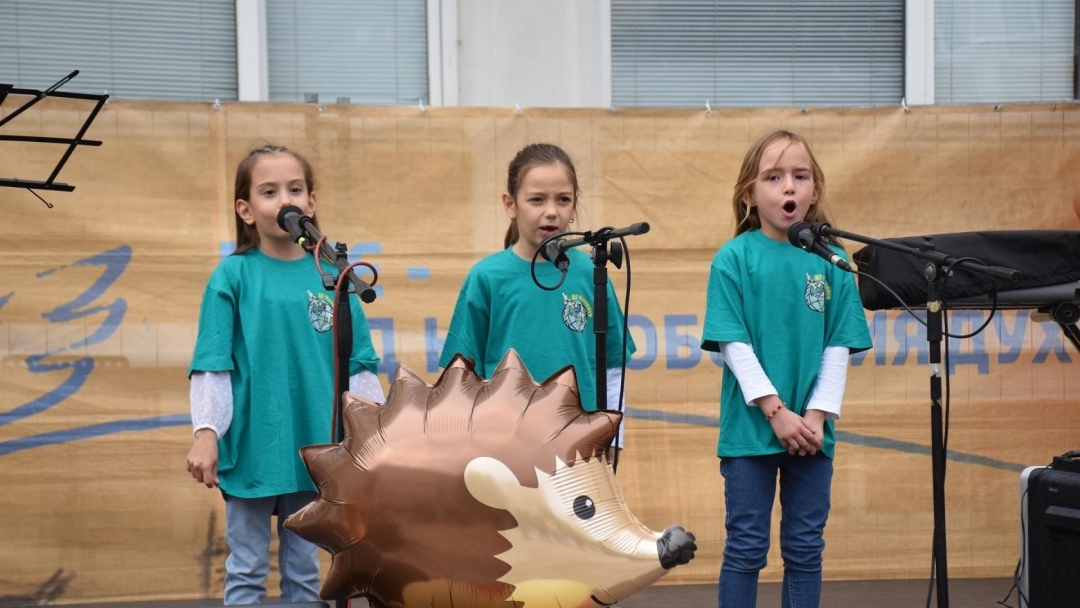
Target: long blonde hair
<point>746,217</point>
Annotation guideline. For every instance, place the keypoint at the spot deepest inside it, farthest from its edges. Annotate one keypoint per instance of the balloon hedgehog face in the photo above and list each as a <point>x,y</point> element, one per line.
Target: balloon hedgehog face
<point>479,493</point>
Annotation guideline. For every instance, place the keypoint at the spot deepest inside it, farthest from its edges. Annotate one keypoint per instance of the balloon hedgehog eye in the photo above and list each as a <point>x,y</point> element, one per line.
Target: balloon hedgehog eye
<point>584,507</point>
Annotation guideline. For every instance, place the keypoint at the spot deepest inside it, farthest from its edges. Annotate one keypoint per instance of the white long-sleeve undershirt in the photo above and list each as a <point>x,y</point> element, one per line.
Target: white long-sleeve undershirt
<point>828,394</point>
<point>614,383</point>
<point>212,398</point>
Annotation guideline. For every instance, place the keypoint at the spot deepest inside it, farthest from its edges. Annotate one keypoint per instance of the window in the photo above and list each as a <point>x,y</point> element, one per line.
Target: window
<point>370,52</point>
<point>989,51</point>
<point>757,53</point>
<point>142,49</point>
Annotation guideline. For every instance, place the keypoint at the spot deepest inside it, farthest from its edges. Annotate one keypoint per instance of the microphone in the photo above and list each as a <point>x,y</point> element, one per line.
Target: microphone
<point>292,220</point>
<point>605,233</point>
<point>631,230</point>
<point>553,254</point>
<point>301,229</point>
<point>555,250</point>
<point>802,235</point>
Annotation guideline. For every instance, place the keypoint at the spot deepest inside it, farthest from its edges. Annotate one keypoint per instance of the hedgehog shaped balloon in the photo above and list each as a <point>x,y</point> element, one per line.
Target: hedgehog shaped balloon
<point>490,494</point>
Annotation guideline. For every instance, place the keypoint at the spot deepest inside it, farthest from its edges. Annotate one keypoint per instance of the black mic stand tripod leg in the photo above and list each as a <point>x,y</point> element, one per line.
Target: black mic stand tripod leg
<point>600,314</point>
<point>934,316</point>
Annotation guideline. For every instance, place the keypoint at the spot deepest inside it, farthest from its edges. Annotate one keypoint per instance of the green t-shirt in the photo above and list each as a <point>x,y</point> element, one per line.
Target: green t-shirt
<point>268,322</point>
<point>789,305</point>
<point>500,308</point>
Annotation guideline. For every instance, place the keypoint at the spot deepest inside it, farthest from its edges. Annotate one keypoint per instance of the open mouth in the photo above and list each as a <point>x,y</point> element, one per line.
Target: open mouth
<point>790,207</point>
<point>549,230</point>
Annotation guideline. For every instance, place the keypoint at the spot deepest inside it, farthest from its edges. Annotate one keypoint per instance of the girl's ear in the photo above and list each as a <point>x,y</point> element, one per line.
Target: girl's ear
<point>509,206</point>
<point>243,209</point>
<point>312,201</point>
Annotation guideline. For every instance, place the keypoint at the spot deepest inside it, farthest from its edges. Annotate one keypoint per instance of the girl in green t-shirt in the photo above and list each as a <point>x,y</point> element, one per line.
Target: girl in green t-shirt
<point>262,379</point>
<point>499,307</point>
<point>785,323</point>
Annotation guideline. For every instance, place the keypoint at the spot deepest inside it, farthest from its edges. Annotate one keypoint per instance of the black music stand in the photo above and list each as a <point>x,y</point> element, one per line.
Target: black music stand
<point>70,142</point>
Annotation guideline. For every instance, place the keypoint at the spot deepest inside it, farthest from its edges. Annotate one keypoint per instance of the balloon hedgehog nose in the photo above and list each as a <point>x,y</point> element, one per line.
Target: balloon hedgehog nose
<point>675,547</point>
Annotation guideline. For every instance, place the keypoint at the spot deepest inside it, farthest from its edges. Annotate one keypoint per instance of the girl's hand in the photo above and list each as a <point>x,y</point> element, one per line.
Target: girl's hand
<point>202,460</point>
<point>795,433</point>
<point>815,419</point>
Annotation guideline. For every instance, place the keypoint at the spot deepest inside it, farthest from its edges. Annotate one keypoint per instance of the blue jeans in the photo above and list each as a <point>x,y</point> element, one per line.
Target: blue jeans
<point>749,488</point>
<point>247,531</point>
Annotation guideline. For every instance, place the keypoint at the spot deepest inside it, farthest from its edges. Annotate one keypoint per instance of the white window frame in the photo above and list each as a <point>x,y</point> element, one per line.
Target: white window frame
<point>443,72</point>
<point>253,82</point>
<point>919,52</point>
<point>442,16</point>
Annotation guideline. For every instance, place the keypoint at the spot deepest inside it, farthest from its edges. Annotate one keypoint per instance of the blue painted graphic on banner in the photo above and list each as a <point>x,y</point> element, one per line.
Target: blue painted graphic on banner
<point>899,341</point>
<point>114,263</point>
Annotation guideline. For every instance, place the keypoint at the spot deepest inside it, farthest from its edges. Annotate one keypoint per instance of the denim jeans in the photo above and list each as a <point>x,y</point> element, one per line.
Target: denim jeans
<point>749,489</point>
<point>247,531</point>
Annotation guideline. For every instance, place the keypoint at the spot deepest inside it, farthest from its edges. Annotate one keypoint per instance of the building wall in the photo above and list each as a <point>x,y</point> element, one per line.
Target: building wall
<point>542,53</point>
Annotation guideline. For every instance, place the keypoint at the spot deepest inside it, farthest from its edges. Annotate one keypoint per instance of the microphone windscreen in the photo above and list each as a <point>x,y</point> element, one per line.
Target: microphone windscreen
<point>285,211</point>
<point>793,233</point>
<point>551,251</point>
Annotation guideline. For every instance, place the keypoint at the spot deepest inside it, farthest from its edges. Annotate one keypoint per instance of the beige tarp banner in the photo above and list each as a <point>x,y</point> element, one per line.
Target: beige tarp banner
<point>99,298</point>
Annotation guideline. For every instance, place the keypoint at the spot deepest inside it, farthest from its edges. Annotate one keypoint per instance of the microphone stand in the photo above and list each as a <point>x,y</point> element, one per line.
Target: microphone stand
<point>343,343</point>
<point>343,331</point>
<point>934,314</point>
<point>303,229</point>
<point>600,257</point>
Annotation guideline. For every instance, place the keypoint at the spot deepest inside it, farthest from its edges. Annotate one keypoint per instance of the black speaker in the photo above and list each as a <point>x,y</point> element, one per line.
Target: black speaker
<point>1052,527</point>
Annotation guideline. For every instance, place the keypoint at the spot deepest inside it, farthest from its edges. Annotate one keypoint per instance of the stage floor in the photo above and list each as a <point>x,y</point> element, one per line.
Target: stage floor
<point>963,593</point>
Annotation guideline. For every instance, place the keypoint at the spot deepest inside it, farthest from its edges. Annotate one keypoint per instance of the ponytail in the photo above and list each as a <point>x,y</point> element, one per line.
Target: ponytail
<point>511,234</point>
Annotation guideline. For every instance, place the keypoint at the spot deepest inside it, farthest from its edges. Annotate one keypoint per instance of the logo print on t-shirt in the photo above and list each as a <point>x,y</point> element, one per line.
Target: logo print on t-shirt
<point>817,291</point>
<point>574,314</point>
<point>320,312</point>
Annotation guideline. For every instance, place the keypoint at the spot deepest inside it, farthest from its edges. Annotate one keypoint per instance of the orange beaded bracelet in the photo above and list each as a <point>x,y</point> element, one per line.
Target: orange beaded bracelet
<point>773,413</point>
